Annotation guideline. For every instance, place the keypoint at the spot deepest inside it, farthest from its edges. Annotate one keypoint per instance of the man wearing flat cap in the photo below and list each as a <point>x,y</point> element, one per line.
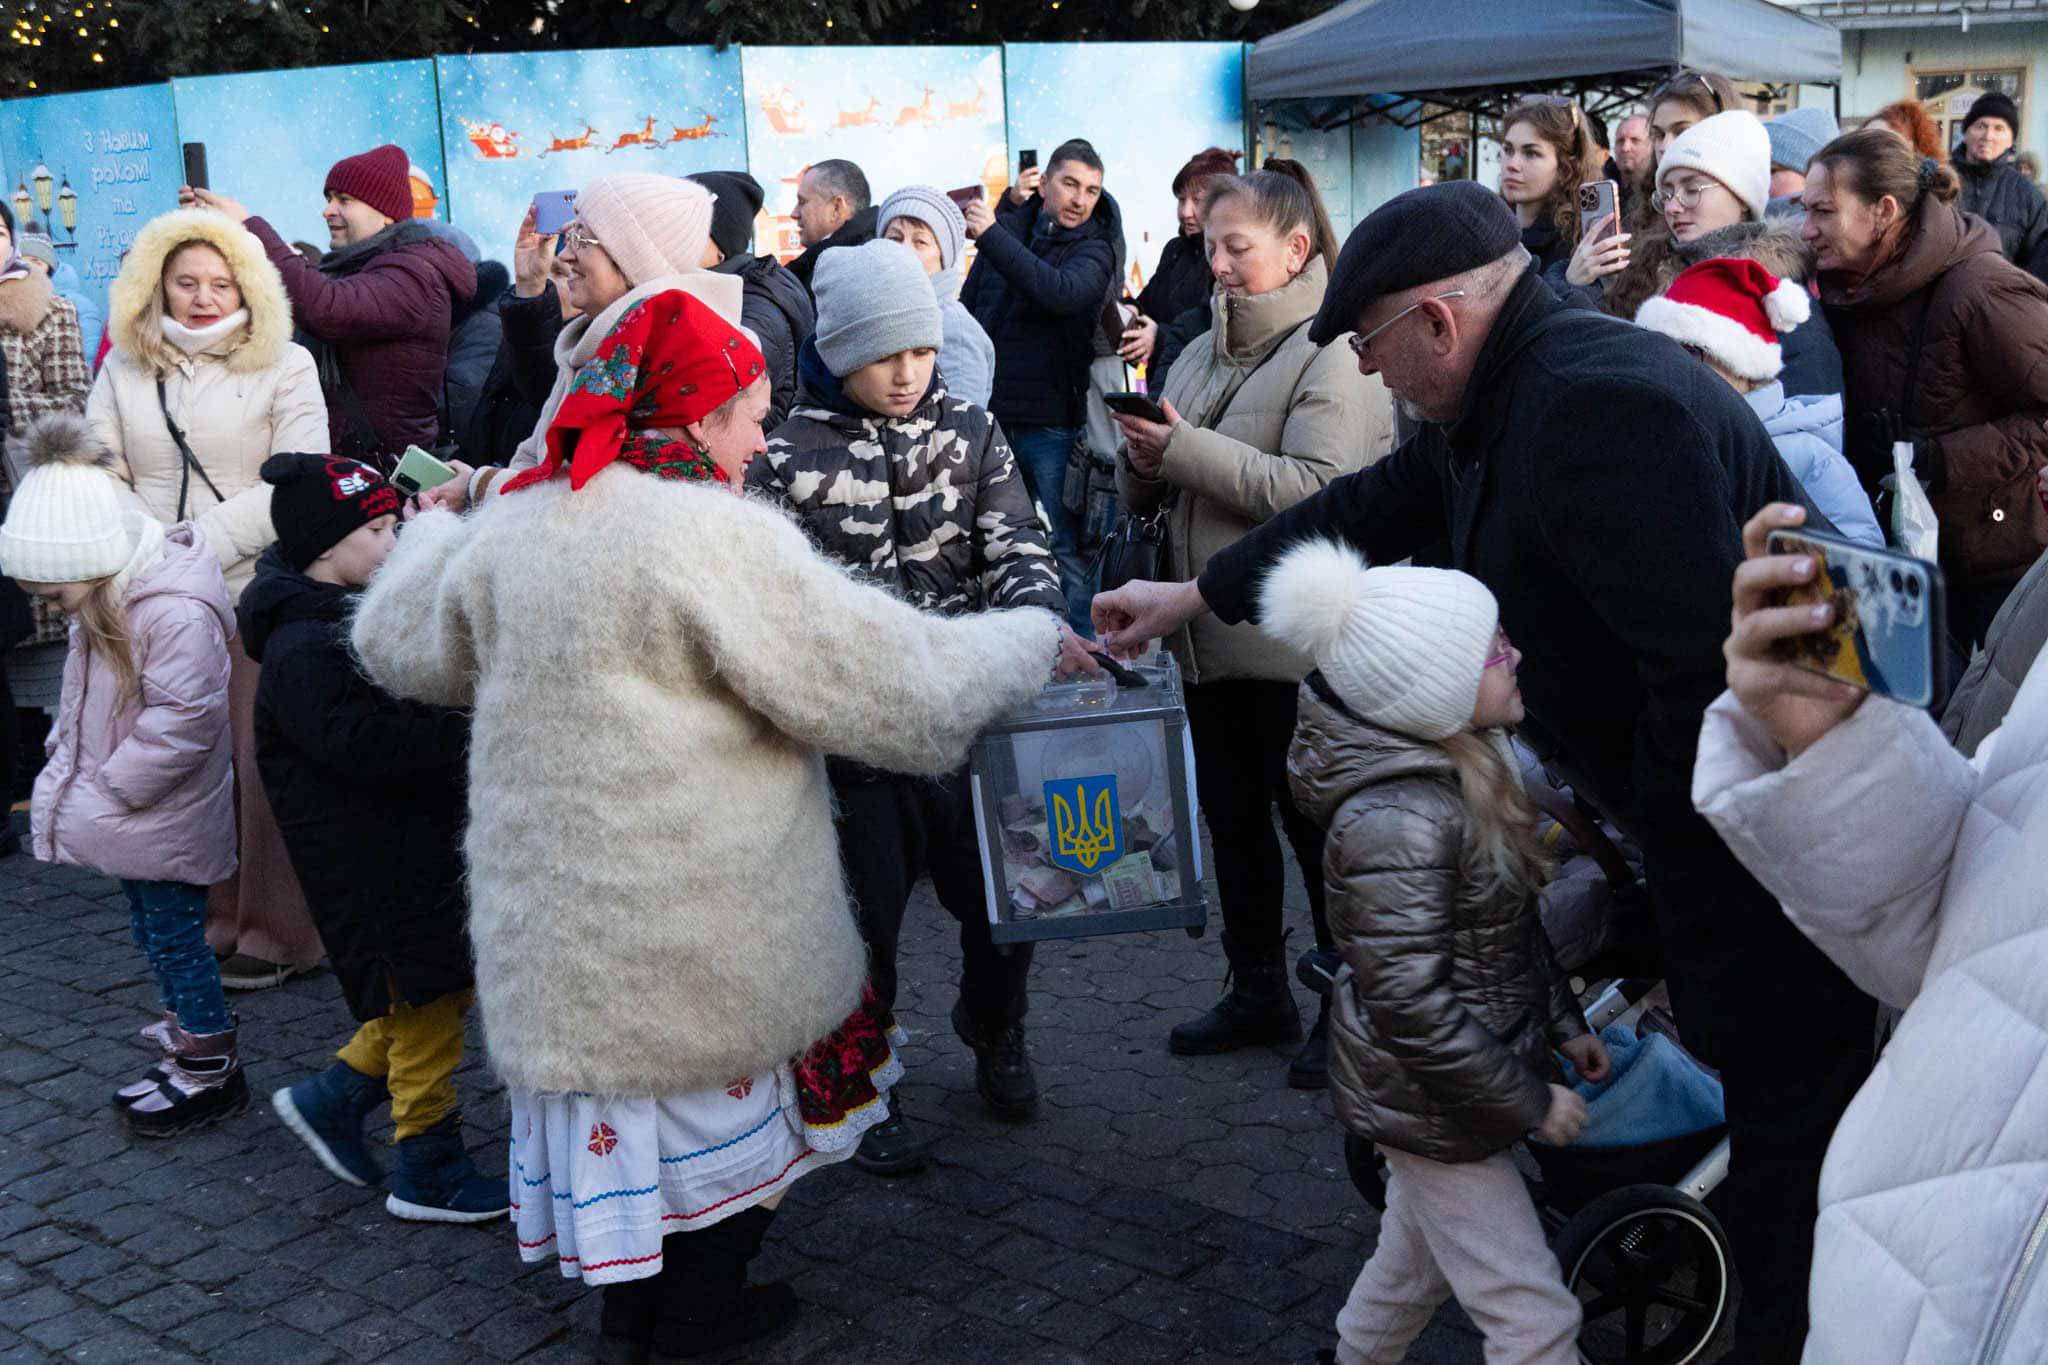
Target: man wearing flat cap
<point>1596,479</point>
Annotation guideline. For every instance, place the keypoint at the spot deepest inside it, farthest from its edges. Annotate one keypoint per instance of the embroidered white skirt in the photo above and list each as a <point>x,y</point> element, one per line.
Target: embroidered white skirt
<point>597,1183</point>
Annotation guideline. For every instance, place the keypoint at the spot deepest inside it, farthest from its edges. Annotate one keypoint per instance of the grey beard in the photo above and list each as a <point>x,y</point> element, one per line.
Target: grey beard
<point>1410,411</point>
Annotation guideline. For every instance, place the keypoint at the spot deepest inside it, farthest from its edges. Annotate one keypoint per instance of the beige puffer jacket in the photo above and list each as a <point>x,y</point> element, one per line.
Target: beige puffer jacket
<point>1300,416</point>
<point>1443,1018</point>
<point>239,402</point>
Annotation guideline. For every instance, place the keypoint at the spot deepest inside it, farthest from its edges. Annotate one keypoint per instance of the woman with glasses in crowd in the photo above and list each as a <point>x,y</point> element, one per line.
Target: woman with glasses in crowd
<point>1688,98</point>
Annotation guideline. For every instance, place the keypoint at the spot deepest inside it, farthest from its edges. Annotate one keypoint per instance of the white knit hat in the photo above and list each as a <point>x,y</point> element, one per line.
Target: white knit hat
<point>936,210</point>
<point>1734,148</point>
<point>65,523</point>
<point>650,225</point>
<point>1404,648</point>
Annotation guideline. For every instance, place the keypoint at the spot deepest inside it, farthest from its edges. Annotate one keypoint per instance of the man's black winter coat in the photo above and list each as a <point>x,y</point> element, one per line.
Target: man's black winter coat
<point>777,309</point>
<point>1038,290</point>
<point>2000,193</point>
<point>369,793</point>
<point>855,230</point>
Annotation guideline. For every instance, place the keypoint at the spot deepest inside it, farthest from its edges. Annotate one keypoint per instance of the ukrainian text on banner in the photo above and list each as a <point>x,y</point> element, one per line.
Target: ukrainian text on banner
<point>904,115</point>
<point>92,168</point>
<point>1147,108</point>
<point>515,124</point>
<point>271,136</point>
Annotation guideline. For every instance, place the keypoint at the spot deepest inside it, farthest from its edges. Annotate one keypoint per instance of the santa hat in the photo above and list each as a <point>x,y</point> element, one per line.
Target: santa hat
<point>1733,310</point>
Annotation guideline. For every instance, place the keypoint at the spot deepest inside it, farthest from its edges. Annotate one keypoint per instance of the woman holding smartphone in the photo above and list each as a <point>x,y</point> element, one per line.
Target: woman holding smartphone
<point>203,384</point>
<point>1270,418</point>
<point>1546,154</point>
<point>1687,98</point>
<point>1945,347</point>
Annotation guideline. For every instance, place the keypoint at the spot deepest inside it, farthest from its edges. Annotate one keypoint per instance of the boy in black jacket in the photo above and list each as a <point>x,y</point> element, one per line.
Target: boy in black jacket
<point>369,794</point>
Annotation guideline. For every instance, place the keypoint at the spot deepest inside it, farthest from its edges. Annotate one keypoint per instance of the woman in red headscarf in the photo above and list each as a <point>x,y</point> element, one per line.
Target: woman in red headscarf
<point>670,979</point>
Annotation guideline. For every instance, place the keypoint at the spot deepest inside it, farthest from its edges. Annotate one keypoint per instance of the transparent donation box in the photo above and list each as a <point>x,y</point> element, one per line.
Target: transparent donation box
<point>1084,800</point>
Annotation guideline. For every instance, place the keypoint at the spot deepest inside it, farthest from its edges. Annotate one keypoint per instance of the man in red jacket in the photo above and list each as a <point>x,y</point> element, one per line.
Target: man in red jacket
<point>376,312</point>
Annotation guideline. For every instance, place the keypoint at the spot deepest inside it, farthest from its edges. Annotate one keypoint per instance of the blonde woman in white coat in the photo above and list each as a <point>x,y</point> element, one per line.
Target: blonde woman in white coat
<point>1924,874</point>
<point>202,347</point>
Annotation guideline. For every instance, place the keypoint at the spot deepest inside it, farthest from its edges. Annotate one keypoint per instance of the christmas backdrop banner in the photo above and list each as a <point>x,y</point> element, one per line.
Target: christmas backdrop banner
<point>92,168</point>
<point>904,115</point>
<point>271,135</point>
<point>1147,108</point>
<point>515,124</point>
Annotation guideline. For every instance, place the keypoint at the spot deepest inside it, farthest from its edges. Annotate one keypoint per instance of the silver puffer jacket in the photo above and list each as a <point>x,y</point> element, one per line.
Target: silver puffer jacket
<point>1443,1020</point>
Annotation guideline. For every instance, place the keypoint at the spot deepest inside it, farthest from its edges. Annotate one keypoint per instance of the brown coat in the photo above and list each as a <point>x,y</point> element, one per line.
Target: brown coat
<point>1982,388</point>
<point>1450,1000</point>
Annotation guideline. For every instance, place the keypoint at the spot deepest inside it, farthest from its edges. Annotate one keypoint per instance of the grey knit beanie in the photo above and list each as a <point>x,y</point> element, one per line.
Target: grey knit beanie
<point>1797,135</point>
<point>937,212</point>
<point>873,301</point>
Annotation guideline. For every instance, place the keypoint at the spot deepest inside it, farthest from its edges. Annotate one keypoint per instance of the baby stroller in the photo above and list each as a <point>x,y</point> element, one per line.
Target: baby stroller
<point>1623,1205</point>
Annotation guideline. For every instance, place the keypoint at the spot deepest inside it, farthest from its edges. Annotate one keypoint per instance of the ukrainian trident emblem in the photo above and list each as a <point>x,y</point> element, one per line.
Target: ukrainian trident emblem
<point>1087,828</point>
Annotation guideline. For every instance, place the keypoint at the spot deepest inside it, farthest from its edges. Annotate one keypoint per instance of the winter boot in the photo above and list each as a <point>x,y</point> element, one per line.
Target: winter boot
<point>1002,1068</point>
<point>891,1147</point>
<point>327,1112</point>
<point>706,1304</point>
<point>1310,1069</point>
<point>203,1084</point>
<point>1257,1007</point>
<point>435,1182</point>
<point>626,1320</point>
<point>159,1034</point>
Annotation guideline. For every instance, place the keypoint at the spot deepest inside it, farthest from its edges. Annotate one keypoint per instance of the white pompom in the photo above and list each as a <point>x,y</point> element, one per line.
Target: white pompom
<point>1309,597</point>
<point>1787,306</point>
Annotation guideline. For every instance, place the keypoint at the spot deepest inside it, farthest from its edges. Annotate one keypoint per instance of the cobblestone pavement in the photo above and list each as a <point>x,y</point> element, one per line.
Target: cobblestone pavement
<point>1158,1209</point>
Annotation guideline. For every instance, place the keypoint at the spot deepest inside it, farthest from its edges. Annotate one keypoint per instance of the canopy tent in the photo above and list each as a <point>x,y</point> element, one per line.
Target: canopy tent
<point>1477,55</point>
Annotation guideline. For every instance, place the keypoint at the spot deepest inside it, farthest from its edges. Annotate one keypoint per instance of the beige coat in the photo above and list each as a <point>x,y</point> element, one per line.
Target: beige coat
<point>1293,424</point>
<point>239,402</point>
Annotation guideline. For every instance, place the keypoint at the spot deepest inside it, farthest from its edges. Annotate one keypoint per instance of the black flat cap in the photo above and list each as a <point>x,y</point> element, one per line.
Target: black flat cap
<point>1413,238</point>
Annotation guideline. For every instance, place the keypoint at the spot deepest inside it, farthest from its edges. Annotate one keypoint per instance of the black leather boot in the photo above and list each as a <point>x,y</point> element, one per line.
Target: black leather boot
<point>1002,1068</point>
<point>1257,1008</point>
<point>706,1305</point>
<point>1310,1069</point>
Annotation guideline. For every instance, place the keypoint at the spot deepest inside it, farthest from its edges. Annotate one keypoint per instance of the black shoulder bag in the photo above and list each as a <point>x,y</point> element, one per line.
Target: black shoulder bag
<point>190,465</point>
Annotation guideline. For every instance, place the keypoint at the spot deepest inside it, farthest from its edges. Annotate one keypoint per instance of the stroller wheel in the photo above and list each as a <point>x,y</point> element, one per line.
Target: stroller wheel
<point>1368,1170</point>
<point>1650,1267</point>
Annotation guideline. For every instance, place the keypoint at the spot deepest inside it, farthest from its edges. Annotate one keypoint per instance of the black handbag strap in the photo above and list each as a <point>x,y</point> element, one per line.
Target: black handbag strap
<point>189,463</point>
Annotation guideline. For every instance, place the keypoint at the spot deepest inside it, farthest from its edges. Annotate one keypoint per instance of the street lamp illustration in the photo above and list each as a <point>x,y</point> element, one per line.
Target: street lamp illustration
<point>23,205</point>
<point>67,212</point>
<point>43,181</point>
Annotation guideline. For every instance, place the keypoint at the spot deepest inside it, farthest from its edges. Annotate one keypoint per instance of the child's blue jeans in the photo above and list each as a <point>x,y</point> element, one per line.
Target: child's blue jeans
<point>169,923</point>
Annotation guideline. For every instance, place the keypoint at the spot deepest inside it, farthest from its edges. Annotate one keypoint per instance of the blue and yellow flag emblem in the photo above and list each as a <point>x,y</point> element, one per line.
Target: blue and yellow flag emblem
<point>1084,822</point>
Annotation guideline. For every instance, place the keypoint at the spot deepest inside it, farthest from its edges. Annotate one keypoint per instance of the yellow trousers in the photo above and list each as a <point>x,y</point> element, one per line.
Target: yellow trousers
<point>414,1050</point>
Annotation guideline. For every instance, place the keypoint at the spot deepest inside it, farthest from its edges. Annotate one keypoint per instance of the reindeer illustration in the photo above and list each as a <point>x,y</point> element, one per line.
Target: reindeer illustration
<point>572,144</point>
<point>644,138</point>
<point>968,108</point>
<point>921,112</point>
<point>859,118</point>
<point>694,131</point>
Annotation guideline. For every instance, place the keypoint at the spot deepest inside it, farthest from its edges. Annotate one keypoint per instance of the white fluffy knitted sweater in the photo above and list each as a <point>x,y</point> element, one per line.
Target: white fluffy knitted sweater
<point>656,671</point>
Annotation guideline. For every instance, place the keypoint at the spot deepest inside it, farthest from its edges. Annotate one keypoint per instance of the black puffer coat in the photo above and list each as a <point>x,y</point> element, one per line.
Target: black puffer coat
<point>2000,193</point>
<point>1037,289</point>
<point>1182,281</point>
<point>1450,1001</point>
<point>778,310</point>
<point>369,794</point>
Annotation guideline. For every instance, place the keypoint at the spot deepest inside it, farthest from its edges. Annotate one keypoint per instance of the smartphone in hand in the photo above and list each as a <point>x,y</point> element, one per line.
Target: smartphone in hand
<point>195,165</point>
<point>418,471</point>
<point>1599,199</point>
<point>553,210</point>
<point>1136,405</point>
<point>1890,632</point>
<point>1027,160</point>
<point>967,194</point>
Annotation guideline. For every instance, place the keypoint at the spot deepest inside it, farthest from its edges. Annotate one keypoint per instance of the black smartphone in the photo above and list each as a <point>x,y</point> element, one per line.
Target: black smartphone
<point>1027,160</point>
<point>1890,632</point>
<point>195,165</point>
<point>1135,405</point>
<point>1599,199</point>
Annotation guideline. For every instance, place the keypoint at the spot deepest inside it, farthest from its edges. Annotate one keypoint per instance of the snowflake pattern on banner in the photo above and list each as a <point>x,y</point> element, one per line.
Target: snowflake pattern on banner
<point>603,1137</point>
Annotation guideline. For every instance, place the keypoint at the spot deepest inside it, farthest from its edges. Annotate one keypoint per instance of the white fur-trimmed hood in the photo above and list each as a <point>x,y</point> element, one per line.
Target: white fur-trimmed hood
<point>141,277</point>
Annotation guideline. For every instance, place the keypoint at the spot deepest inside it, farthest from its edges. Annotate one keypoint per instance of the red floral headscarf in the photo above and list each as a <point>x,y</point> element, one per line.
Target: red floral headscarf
<point>670,361</point>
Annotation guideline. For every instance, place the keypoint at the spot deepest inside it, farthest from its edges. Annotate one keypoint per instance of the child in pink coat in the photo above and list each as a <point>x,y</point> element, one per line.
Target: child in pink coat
<point>139,784</point>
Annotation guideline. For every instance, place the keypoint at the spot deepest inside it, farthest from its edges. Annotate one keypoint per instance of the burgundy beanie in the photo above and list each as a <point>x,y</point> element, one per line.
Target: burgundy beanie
<point>380,177</point>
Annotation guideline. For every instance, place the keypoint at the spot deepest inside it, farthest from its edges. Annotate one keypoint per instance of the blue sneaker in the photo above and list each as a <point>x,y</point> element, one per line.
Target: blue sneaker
<point>327,1113</point>
<point>436,1183</point>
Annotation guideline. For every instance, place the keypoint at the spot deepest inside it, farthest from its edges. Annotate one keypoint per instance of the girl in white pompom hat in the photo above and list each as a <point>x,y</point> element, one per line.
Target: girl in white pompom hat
<point>1444,1017</point>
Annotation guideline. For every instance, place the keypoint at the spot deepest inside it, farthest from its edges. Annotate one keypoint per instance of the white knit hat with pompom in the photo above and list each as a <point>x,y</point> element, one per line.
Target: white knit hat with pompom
<point>1404,648</point>
<point>66,522</point>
